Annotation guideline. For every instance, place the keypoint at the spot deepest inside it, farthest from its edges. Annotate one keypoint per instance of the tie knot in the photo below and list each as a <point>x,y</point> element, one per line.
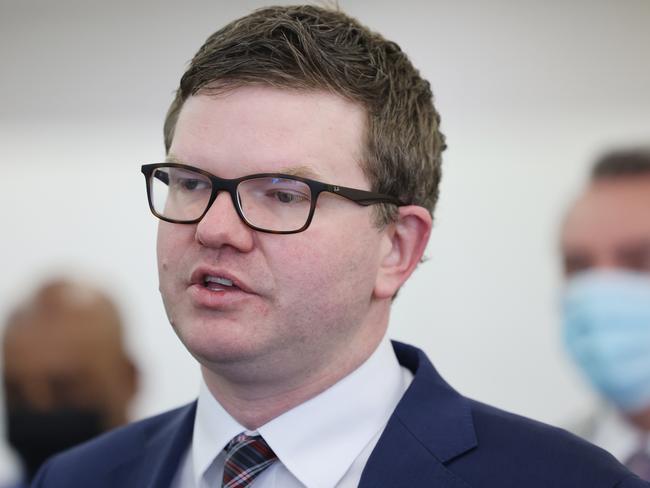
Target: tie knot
<point>246,457</point>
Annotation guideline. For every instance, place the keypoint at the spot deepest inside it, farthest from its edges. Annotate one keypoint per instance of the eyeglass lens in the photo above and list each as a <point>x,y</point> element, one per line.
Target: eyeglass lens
<point>271,203</point>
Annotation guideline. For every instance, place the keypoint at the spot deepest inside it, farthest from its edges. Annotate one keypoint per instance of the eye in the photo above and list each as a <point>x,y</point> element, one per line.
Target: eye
<point>274,192</point>
<point>188,181</point>
<point>635,256</point>
<point>576,262</point>
<point>285,196</point>
<point>191,184</point>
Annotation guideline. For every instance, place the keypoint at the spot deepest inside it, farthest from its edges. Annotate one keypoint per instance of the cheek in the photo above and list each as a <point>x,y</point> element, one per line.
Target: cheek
<point>171,243</point>
<point>325,269</point>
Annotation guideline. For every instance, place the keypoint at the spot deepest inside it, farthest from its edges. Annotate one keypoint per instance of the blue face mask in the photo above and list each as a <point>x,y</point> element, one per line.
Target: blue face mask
<point>607,332</point>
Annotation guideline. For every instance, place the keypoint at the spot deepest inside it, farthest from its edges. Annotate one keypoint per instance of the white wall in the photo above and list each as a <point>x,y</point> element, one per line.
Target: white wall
<point>529,92</point>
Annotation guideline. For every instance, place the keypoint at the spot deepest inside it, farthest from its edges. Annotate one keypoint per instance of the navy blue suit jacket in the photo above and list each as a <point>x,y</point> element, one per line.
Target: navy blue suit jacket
<point>435,438</point>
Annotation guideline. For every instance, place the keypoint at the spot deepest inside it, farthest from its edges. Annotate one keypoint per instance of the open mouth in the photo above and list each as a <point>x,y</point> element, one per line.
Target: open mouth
<point>218,283</point>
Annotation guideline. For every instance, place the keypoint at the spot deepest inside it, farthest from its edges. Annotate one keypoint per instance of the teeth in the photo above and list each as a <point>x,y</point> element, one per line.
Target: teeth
<point>218,280</point>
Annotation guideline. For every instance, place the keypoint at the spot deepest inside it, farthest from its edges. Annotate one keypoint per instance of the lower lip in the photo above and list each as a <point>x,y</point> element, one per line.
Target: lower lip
<point>216,299</point>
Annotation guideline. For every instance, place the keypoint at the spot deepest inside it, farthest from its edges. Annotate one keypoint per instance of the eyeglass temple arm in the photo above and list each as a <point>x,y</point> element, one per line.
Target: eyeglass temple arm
<point>363,197</point>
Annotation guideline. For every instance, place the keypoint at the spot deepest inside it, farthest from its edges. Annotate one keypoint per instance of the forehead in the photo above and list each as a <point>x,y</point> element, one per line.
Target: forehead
<point>610,213</point>
<point>259,129</point>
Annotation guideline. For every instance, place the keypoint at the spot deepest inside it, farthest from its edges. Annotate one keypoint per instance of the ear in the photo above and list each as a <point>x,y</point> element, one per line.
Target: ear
<point>404,243</point>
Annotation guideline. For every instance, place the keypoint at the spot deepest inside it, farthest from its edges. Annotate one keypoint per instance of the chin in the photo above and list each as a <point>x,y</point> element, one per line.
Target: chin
<point>218,343</point>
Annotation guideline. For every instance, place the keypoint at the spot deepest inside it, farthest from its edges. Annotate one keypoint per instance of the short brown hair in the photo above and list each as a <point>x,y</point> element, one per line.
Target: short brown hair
<point>313,48</point>
<point>622,163</point>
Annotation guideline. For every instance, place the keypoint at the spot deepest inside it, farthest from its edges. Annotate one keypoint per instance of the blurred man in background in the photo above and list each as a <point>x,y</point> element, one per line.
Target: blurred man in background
<point>606,251</point>
<point>67,377</point>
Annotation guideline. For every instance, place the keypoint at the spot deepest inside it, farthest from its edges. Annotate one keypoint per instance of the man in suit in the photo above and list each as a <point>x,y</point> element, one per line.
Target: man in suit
<point>605,245</point>
<point>303,162</point>
<point>67,376</point>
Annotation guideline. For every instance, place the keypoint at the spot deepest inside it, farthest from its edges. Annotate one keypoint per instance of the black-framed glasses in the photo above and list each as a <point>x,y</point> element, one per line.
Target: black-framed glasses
<point>268,202</point>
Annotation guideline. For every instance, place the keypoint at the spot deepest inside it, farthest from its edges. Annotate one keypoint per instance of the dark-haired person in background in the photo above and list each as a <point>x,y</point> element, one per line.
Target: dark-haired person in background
<point>303,163</point>
<point>606,250</point>
<point>67,377</point>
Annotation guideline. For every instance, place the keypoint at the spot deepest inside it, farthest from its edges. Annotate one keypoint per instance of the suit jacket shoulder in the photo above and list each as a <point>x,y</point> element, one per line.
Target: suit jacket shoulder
<point>437,437</point>
<point>536,454</point>
<point>142,454</point>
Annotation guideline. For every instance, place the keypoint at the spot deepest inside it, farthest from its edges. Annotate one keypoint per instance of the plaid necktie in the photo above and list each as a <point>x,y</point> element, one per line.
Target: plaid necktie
<point>247,456</point>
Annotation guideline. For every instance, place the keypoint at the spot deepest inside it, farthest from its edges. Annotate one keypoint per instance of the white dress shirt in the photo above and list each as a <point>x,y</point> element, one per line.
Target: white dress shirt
<point>322,443</point>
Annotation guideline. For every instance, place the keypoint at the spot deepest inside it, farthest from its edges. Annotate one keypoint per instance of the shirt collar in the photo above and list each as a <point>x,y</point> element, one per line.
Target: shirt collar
<point>213,429</point>
<point>342,420</point>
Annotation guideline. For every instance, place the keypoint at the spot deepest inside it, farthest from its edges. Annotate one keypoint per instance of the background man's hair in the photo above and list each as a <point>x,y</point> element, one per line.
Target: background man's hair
<point>623,163</point>
<point>314,48</point>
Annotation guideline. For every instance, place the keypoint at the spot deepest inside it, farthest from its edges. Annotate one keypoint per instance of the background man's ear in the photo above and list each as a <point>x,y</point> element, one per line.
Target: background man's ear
<point>405,242</point>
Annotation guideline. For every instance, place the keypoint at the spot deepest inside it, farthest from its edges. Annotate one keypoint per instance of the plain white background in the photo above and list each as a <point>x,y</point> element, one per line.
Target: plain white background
<point>529,93</point>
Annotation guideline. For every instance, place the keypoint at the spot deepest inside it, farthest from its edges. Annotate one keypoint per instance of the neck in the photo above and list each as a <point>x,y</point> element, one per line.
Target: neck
<point>265,393</point>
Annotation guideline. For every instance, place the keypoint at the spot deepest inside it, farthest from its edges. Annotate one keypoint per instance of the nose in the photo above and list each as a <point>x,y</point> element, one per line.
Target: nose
<point>221,226</point>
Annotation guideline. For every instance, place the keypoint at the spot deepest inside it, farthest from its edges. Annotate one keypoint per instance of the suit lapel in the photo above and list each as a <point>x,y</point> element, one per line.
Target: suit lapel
<point>400,461</point>
<point>165,448</point>
<point>431,425</point>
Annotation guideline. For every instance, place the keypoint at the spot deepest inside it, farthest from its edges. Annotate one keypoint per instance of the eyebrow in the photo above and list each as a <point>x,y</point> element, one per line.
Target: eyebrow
<point>302,170</point>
